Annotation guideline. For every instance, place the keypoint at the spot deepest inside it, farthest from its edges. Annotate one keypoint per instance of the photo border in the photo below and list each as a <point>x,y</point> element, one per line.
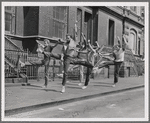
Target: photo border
<point>81,4</point>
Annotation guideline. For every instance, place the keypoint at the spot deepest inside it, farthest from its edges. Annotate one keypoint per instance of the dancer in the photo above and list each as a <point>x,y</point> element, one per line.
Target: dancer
<point>118,53</point>
<point>72,56</point>
<point>46,49</point>
<point>67,55</point>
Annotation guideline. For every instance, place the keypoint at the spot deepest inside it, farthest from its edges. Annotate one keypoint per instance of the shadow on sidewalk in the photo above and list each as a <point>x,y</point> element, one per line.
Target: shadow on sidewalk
<point>73,84</point>
<point>34,86</point>
<point>52,90</point>
<point>74,87</point>
<point>42,89</point>
<point>106,85</point>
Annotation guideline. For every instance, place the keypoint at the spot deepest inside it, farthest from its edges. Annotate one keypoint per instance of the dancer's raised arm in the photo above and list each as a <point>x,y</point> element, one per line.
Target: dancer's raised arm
<point>91,46</point>
<point>40,44</point>
<point>97,44</point>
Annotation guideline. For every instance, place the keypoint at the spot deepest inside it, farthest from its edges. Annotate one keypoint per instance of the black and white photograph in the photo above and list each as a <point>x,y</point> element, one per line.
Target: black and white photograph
<point>74,61</point>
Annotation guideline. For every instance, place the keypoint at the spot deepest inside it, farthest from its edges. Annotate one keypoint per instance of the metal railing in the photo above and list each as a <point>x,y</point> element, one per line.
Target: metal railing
<point>31,70</point>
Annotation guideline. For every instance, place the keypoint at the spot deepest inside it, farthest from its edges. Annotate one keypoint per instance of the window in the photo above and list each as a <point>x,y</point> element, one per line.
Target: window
<point>142,11</point>
<point>79,23</point>
<point>8,18</point>
<point>59,22</point>
<point>95,25</point>
<point>111,33</point>
<point>133,8</point>
<point>87,25</point>
<point>132,37</point>
<point>133,42</point>
<point>8,8</point>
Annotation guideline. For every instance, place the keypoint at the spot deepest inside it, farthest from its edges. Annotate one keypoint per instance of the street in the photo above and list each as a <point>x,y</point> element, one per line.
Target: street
<point>128,104</point>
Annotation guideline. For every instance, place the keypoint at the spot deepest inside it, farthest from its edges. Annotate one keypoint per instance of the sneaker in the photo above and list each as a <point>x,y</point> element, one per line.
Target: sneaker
<point>63,89</point>
<point>113,85</point>
<point>80,84</point>
<point>84,87</point>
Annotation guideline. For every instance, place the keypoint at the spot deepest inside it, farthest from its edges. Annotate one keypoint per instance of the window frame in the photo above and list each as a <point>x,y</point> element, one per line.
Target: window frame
<point>109,38</point>
<point>59,24</point>
<point>79,23</point>
<point>133,9</point>
<point>135,42</point>
<point>9,12</point>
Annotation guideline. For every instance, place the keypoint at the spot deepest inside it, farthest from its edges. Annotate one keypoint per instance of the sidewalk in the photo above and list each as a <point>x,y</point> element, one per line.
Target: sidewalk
<point>19,98</point>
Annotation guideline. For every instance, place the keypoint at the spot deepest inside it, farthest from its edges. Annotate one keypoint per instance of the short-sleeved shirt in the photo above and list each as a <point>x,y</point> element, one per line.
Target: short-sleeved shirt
<point>119,55</point>
<point>70,49</point>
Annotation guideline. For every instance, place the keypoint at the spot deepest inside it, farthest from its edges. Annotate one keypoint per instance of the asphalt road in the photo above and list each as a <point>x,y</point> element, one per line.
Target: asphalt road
<point>129,104</point>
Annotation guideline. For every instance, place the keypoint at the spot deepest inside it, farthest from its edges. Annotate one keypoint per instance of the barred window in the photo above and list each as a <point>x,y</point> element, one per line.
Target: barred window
<point>8,18</point>
<point>59,22</point>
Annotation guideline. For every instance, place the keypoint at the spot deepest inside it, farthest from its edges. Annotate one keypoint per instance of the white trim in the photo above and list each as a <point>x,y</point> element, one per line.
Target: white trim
<point>79,4</point>
<point>74,3</point>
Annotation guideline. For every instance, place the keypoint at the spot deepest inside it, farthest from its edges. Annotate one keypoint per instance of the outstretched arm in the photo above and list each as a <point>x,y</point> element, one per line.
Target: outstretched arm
<point>83,37</point>
<point>97,44</point>
<point>124,39</point>
<point>90,46</point>
<point>40,44</point>
<point>107,54</point>
<point>84,41</point>
<point>125,43</point>
<point>119,42</point>
<point>57,43</point>
<point>80,51</point>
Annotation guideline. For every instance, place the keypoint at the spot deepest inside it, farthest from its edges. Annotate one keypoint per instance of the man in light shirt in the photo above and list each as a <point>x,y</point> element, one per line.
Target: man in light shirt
<point>69,54</point>
<point>118,53</point>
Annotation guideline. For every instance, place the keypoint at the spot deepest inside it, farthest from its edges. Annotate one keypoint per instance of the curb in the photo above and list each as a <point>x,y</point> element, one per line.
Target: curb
<point>56,103</point>
<point>16,84</point>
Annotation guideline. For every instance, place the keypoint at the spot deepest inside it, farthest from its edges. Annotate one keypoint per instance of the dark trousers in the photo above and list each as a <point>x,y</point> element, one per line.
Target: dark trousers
<point>46,62</point>
<point>88,73</point>
<point>68,61</point>
<point>116,71</point>
<point>116,68</point>
<point>54,55</point>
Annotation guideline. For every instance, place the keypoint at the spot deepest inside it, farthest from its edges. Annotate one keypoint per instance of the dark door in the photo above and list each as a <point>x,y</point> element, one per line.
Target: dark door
<point>111,33</point>
<point>87,25</point>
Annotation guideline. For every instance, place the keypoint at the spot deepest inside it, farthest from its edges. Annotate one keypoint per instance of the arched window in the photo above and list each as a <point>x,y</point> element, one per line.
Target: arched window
<point>79,23</point>
<point>133,44</point>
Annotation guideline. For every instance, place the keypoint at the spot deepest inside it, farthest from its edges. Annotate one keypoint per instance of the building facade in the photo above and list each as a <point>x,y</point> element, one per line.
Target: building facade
<point>25,24</point>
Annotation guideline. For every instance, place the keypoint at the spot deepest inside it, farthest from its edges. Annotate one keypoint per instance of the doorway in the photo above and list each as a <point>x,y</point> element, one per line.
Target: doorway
<point>111,33</point>
<point>87,25</point>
